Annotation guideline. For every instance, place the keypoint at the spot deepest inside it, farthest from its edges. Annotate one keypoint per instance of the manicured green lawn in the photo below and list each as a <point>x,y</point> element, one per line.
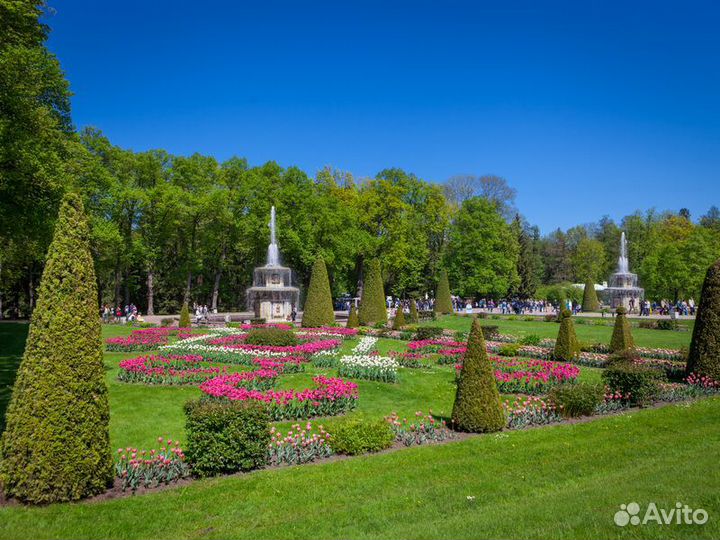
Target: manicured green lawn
<point>588,331</point>
<point>556,482</point>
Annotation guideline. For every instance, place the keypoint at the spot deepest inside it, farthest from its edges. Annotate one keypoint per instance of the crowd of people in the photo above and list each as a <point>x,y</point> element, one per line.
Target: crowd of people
<point>118,314</point>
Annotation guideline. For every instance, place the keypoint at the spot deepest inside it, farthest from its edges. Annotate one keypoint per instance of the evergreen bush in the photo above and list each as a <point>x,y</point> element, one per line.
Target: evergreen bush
<point>477,406</point>
<point>622,334</point>
<point>56,446</point>
<point>372,302</point>
<point>443,300</point>
<point>590,300</point>
<point>353,320</point>
<point>577,399</point>
<point>399,320</point>
<point>318,304</point>
<point>704,355</point>
<point>184,316</point>
<point>270,336</point>
<point>357,436</point>
<point>413,316</point>
<point>567,347</point>
<point>226,436</point>
<point>636,383</point>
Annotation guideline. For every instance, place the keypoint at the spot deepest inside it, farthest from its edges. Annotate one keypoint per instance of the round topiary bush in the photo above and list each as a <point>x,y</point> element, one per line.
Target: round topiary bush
<point>567,347</point>
<point>622,334</point>
<point>318,309</point>
<point>354,436</point>
<point>477,407</point>
<point>275,337</point>
<point>372,302</point>
<point>704,355</point>
<point>577,399</point>
<point>56,446</point>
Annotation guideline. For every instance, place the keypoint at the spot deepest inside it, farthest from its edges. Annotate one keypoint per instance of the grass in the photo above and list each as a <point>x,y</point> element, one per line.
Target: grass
<point>557,482</point>
<point>588,330</point>
<point>12,344</point>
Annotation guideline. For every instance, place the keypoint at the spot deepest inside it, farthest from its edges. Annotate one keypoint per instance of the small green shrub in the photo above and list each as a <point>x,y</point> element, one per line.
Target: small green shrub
<point>584,346</point>
<point>530,339</point>
<point>666,324</point>
<point>167,321</point>
<point>258,320</point>
<point>529,318</point>
<point>648,325</point>
<point>443,300</point>
<point>482,315</point>
<point>495,317</point>
<point>428,332</point>
<point>566,344</point>
<point>489,331</point>
<point>622,335</point>
<point>271,336</point>
<point>399,320</point>
<point>509,349</point>
<point>406,335</point>
<point>355,436</point>
<point>460,336</point>
<point>551,318</point>
<point>353,320</point>
<point>226,437</point>
<point>184,316</point>
<point>639,384</point>
<point>577,399</point>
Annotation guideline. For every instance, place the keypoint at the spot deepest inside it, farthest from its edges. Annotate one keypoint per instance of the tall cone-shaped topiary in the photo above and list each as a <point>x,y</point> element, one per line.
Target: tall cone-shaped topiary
<point>590,300</point>
<point>184,316</point>
<point>704,356</point>
<point>318,304</point>
<point>413,316</point>
<point>372,302</point>
<point>399,320</point>
<point>353,320</point>
<point>443,300</point>
<point>622,339</point>
<point>567,347</point>
<point>56,446</point>
<point>477,406</point>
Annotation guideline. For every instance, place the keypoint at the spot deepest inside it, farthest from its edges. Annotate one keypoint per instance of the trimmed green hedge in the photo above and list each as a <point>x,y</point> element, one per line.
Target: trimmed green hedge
<point>640,384</point>
<point>372,302</point>
<point>271,337</point>
<point>443,299</point>
<point>184,316</point>
<point>590,300</point>
<point>622,333</point>
<point>353,320</point>
<point>567,347</point>
<point>577,399</point>
<point>318,310</point>
<point>354,436</point>
<point>226,437</point>
<point>704,356</point>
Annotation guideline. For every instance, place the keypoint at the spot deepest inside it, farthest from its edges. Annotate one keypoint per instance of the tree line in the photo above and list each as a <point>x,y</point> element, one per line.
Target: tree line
<point>167,229</point>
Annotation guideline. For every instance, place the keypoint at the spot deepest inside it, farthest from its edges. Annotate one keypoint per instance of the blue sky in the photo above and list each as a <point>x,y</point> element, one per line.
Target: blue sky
<point>587,108</point>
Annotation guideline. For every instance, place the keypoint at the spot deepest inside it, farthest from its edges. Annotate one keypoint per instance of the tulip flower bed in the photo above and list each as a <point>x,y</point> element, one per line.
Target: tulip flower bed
<point>325,359</point>
<point>310,347</point>
<point>345,333</point>
<point>139,340</point>
<point>369,367</point>
<point>151,468</point>
<point>409,360</point>
<point>331,397</point>
<point>169,370</point>
<point>434,345</point>
<point>366,345</point>
<point>283,364</point>
<point>530,411</point>
<point>422,430</point>
<point>695,386</point>
<point>516,376</point>
<point>299,445</point>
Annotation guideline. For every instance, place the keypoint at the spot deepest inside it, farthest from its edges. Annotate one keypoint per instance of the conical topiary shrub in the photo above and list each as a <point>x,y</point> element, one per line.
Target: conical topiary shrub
<point>184,316</point>
<point>566,345</point>
<point>590,300</point>
<point>56,446</point>
<point>353,320</point>
<point>372,302</point>
<point>477,406</point>
<point>443,300</point>
<point>622,339</point>
<point>704,356</point>
<point>413,315</point>
<point>318,305</point>
<point>399,320</point>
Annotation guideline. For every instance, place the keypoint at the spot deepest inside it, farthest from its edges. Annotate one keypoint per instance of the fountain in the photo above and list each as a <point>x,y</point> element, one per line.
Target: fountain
<point>272,296</point>
<point>623,287</point>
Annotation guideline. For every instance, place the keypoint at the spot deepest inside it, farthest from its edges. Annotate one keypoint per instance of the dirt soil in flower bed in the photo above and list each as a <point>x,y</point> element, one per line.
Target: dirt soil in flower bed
<point>116,491</point>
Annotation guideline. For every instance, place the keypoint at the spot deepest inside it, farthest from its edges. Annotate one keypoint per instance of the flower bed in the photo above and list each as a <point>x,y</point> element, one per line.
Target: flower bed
<point>325,359</point>
<point>409,360</point>
<point>299,445</point>
<point>434,345</point>
<point>145,339</point>
<point>310,347</point>
<point>530,411</point>
<point>366,345</point>
<point>283,364</point>
<point>170,370</point>
<point>515,376</point>
<point>423,430</point>
<point>150,468</point>
<point>330,331</point>
<point>331,397</point>
<point>369,367</point>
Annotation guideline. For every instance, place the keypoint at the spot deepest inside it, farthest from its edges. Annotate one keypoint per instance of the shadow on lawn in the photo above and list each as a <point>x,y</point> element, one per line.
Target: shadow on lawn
<point>12,338</point>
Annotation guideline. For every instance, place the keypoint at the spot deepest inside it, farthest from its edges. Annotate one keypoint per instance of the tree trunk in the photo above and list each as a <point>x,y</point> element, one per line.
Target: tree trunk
<point>150,293</point>
<point>118,282</point>
<point>216,284</point>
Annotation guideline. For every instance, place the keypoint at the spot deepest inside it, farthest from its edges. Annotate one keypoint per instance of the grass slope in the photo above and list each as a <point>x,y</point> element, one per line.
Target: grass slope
<point>555,482</point>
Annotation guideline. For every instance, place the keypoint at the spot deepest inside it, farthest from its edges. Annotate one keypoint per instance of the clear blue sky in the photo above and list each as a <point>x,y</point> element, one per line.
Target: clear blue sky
<point>587,108</point>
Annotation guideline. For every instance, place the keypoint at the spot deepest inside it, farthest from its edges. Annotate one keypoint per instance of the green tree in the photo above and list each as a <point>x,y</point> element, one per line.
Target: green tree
<point>477,406</point>
<point>527,262</point>
<point>704,357</point>
<point>590,300</point>
<point>372,302</point>
<point>566,345</point>
<point>318,305</point>
<point>443,299</point>
<point>56,446</point>
<point>482,251</point>
<point>588,259</point>
<point>353,320</point>
<point>621,339</point>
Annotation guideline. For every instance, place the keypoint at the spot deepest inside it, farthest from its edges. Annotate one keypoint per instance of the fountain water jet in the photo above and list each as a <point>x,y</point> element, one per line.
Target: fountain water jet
<point>272,296</point>
<point>623,287</point>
